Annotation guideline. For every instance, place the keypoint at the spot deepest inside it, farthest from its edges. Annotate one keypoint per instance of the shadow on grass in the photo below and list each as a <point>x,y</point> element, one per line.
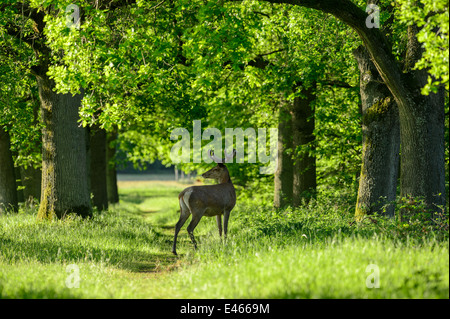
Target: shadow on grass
<point>157,263</point>
<point>124,243</point>
<point>141,196</point>
<point>70,251</point>
<point>39,293</point>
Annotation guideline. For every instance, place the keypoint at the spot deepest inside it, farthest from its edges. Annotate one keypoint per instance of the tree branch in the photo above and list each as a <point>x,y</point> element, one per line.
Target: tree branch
<point>262,13</point>
<point>26,11</point>
<point>337,83</point>
<point>16,32</point>
<point>272,52</point>
<point>112,5</point>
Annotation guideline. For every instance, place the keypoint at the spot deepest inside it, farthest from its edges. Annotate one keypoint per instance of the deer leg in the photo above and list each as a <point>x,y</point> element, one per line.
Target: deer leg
<point>195,219</point>
<point>226,215</point>
<point>219,224</point>
<point>184,215</point>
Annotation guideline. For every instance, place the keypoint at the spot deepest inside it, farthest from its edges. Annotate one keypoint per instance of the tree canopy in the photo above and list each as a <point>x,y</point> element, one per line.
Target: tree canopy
<point>144,68</point>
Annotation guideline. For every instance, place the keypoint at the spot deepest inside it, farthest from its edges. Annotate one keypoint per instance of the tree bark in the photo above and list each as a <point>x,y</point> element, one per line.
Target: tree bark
<point>381,141</point>
<point>111,175</point>
<point>303,124</point>
<point>65,185</point>
<point>283,180</point>
<point>31,180</point>
<point>422,132</point>
<point>8,187</point>
<point>98,167</point>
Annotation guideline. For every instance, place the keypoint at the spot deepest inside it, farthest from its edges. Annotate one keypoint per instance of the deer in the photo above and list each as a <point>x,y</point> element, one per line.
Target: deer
<point>208,200</point>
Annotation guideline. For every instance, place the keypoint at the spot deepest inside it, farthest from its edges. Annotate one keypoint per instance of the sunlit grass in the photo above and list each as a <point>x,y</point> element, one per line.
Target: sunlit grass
<point>312,252</point>
<point>337,269</point>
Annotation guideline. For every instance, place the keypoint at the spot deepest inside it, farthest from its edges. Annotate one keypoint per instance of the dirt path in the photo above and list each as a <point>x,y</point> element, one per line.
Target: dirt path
<point>157,203</point>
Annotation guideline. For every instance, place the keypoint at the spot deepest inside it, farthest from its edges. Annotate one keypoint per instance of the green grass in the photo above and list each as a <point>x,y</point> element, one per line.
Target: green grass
<point>336,269</point>
<point>312,252</point>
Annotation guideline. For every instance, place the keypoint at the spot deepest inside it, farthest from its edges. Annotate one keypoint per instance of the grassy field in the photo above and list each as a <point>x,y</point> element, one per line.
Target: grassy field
<point>313,252</point>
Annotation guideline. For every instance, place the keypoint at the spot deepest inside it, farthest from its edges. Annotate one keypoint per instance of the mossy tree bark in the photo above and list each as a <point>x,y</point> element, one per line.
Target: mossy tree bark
<point>381,141</point>
<point>111,172</point>
<point>283,179</point>
<point>98,165</point>
<point>8,187</point>
<point>65,184</point>
<point>303,139</point>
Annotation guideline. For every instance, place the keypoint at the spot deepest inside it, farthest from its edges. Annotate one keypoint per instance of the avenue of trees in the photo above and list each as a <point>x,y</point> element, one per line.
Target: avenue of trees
<point>357,89</point>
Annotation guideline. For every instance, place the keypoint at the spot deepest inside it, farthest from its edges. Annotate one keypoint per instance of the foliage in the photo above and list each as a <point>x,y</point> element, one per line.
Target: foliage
<point>149,67</point>
<point>339,139</point>
<point>249,58</point>
<point>431,17</point>
<point>129,62</point>
<point>19,101</point>
<point>413,222</point>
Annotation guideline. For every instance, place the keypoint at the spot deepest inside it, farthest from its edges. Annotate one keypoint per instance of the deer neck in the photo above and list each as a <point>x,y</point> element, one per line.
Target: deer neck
<point>224,179</point>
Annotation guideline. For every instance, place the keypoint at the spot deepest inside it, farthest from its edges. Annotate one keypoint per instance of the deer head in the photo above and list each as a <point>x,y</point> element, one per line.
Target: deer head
<point>219,172</point>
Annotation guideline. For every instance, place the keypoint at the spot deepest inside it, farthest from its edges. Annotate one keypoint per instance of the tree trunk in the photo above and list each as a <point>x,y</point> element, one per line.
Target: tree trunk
<point>31,180</point>
<point>423,156</point>
<point>381,141</point>
<point>65,185</point>
<point>98,162</point>
<point>111,175</point>
<point>8,187</point>
<point>422,132</point>
<point>422,166</point>
<point>303,139</point>
<point>284,174</point>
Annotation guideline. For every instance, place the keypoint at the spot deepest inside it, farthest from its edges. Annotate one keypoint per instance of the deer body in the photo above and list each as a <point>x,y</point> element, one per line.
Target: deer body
<point>207,200</point>
<point>212,199</point>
